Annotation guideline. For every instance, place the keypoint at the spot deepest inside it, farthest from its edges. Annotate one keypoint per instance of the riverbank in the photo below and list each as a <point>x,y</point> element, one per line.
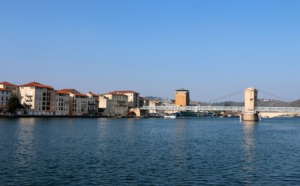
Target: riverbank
<point>68,116</point>
<point>55,116</point>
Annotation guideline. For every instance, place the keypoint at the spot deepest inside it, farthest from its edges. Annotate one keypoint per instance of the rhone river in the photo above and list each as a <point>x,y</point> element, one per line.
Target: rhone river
<point>92,151</point>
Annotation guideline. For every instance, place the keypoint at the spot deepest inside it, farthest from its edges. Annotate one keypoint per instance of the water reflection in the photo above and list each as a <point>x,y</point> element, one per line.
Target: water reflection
<point>249,148</point>
<point>180,147</point>
<point>25,150</point>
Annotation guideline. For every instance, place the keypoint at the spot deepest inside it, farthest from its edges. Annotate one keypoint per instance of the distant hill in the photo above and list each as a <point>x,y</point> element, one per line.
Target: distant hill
<point>153,98</point>
<point>295,103</point>
<point>260,103</point>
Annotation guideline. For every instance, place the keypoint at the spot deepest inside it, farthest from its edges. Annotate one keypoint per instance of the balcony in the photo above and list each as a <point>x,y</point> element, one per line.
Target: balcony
<point>28,100</point>
<point>28,95</point>
<point>91,103</point>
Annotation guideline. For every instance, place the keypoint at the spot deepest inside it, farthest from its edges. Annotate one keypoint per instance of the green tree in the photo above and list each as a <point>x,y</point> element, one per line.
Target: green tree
<point>13,104</point>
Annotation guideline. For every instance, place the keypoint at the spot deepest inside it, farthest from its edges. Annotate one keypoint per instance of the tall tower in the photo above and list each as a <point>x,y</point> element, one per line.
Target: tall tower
<point>182,97</point>
<point>250,103</point>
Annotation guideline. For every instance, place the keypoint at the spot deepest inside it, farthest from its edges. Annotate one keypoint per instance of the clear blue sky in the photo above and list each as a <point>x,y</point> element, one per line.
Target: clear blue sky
<point>211,47</point>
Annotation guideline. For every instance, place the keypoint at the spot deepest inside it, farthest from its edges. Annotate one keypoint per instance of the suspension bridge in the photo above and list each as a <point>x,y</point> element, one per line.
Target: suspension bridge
<point>250,101</point>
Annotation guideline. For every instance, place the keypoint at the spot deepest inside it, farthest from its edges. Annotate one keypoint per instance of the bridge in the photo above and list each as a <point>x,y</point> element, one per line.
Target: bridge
<point>250,110</point>
<point>221,108</point>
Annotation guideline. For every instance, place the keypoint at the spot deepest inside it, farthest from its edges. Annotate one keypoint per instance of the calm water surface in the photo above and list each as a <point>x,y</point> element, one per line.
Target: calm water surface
<point>218,151</point>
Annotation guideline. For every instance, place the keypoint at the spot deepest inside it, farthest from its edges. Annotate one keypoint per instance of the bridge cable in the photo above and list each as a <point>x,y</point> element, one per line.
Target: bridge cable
<point>224,97</point>
<point>278,97</point>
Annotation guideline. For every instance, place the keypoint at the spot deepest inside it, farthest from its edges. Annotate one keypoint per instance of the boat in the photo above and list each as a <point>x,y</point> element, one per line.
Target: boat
<point>170,116</point>
<point>189,114</point>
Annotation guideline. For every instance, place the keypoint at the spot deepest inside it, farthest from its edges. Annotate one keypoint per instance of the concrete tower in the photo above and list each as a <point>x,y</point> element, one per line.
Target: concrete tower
<point>182,97</point>
<point>250,103</point>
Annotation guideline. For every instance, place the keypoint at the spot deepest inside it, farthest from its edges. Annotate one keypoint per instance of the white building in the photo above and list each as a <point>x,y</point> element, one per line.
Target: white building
<point>78,102</point>
<point>93,103</point>
<point>133,97</point>
<point>4,97</point>
<point>62,103</point>
<point>37,98</point>
<point>115,104</point>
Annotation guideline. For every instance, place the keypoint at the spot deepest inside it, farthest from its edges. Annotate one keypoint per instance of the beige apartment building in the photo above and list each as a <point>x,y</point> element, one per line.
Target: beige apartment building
<point>12,87</point>
<point>133,97</point>
<point>37,98</point>
<point>114,103</point>
<point>78,102</point>
<point>62,103</point>
<point>4,97</point>
<point>93,103</point>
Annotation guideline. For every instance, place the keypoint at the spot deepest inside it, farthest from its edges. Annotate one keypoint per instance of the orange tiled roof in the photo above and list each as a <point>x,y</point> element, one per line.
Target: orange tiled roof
<point>7,83</point>
<point>3,89</point>
<point>93,94</point>
<point>72,90</point>
<point>119,94</point>
<point>116,93</point>
<point>61,92</point>
<point>80,94</point>
<point>126,91</point>
<point>36,84</point>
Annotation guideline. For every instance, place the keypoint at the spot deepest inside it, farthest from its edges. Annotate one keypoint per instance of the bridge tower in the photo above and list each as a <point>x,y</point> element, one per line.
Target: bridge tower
<point>250,103</point>
<point>182,97</point>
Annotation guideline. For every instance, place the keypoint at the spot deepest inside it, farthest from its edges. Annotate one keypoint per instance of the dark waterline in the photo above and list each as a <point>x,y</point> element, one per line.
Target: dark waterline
<point>216,151</point>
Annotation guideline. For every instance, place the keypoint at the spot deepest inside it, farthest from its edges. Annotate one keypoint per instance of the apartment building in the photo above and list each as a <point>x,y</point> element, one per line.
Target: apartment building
<point>37,98</point>
<point>4,97</point>
<point>62,103</point>
<point>12,87</point>
<point>144,102</point>
<point>93,103</point>
<point>114,103</point>
<point>133,97</point>
<point>78,102</point>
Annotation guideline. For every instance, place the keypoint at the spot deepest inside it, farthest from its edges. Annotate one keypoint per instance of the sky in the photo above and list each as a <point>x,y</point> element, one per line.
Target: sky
<point>210,47</point>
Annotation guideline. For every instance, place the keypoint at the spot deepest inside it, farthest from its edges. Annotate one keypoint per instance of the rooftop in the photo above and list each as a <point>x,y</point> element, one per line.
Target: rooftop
<point>126,91</point>
<point>116,93</point>
<point>182,89</point>
<point>36,84</point>
<point>61,92</point>
<point>7,83</point>
<point>93,94</point>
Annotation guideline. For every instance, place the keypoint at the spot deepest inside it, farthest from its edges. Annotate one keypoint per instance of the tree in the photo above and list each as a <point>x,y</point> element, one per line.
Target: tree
<point>13,104</point>
<point>227,103</point>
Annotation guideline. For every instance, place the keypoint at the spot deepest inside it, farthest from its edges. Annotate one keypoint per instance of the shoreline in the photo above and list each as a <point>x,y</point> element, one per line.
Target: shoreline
<point>61,116</point>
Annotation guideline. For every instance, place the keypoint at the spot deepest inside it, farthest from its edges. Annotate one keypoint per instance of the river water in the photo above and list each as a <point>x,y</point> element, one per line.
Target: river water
<point>207,151</point>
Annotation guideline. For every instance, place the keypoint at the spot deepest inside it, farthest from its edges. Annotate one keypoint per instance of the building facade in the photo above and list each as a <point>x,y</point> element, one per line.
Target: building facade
<point>133,97</point>
<point>93,103</point>
<point>115,104</point>
<point>78,102</point>
<point>62,106</point>
<point>12,87</point>
<point>4,97</point>
<point>37,98</point>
